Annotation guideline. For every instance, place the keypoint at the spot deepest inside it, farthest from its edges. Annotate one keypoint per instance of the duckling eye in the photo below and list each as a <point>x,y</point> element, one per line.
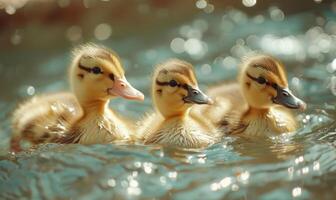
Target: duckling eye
<point>172,83</point>
<point>261,80</point>
<point>96,70</point>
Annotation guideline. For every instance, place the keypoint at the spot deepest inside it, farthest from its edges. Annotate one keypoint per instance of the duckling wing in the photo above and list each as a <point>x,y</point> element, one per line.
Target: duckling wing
<point>147,126</point>
<point>44,118</point>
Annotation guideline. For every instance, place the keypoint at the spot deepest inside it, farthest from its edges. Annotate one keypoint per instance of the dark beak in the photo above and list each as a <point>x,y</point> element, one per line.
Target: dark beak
<point>286,98</point>
<point>197,96</point>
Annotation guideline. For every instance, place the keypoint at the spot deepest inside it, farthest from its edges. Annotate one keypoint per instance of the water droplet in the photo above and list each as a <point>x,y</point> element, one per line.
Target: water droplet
<point>214,186</point>
<point>201,160</point>
<point>133,183</point>
<point>148,167</point>
<point>299,160</point>
<point>184,30</point>
<point>177,45</point>
<point>193,46</point>
<point>249,3</point>
<point>225,182</point>
<point>296,192</point>
<point>137,164</point>
<point>201,4</point>
<point>244,176</point>
<point>276,14</point>
<point>305,170</point>
<point>229,62</point>
<point>172,175</point>
<point>30,90</point>
<point>201,24</point>
<point>259,19</point>
<point>111,182</point>
<point>163,180</point>
<point>10,10</point>
<point>316,166</point>
<point>209,8</point>
<point>332,65</point>
<point>135,173</point>
<point>206,69</point>
<point>134,191</point>
<point>234,187</point>
<point>103,31</point>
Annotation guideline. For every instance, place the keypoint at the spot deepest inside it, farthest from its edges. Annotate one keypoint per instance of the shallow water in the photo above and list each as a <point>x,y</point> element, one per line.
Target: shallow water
<point>301,165</point>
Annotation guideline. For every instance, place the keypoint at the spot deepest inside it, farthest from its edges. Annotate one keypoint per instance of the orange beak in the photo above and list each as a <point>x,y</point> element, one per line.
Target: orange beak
<point>124,89</point>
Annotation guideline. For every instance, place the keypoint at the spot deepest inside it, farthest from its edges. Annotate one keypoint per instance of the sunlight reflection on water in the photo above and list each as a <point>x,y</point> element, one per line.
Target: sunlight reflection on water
<point>298,165</point>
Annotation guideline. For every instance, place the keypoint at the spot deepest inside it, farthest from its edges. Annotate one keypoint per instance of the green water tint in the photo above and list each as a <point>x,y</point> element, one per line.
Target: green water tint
<point>300,165</point>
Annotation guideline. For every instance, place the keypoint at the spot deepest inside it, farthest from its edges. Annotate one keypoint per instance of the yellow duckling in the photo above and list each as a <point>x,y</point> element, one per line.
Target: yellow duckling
<point>96,76</point>
<point>259,104</point>
<point>174,91</point>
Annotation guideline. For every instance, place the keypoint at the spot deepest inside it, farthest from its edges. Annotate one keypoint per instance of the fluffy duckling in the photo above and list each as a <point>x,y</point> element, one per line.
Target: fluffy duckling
<point>174,92</point>
<point>259,104</point>
<point>96,76</point>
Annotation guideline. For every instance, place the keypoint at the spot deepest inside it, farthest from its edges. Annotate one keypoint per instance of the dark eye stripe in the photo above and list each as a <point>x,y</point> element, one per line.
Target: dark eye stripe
<point>262,80</point>
<point>172,83</point>
<point>84,68</point>
<point>95,70</point>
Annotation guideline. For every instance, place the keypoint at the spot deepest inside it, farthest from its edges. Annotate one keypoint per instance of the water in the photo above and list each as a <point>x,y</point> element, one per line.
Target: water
<point>297,166</point>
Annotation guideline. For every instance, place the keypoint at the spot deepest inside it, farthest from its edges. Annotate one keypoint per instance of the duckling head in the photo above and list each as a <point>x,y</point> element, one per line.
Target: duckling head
<point>264,84</point>
<point>175,88</point>
<point>96,74</point>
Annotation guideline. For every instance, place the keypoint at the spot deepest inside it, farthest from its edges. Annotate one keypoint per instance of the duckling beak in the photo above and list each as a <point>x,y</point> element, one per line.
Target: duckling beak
<point>197,96</point>
<point>286,98</point>
<point>124,89</point>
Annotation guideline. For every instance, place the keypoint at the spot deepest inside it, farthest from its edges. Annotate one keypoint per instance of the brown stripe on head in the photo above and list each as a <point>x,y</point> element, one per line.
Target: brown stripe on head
<point>177,66</point>
<point>117,63</point>
<point>270,64</point>
<point>97,51</point>
<point>113,58</point>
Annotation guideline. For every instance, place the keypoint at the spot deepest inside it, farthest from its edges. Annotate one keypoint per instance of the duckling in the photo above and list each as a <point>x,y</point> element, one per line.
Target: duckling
<point>96,76</point>
<point>174,92</point>
<point>259,104</point>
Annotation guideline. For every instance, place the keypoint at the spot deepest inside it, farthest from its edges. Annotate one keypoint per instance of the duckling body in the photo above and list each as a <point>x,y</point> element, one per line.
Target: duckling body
<point>96,76</point>
<point>185,132</point>
<point>98,128</point>
<point>174,92</point>
<point>267,122</point>
<point>254,107</point>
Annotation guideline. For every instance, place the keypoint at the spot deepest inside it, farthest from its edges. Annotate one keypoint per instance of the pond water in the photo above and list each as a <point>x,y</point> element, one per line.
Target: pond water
<point>297,166</point>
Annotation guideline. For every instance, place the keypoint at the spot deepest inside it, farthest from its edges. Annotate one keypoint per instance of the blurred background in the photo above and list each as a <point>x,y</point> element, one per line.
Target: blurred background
<point>36,36</point>
<point>36,39</point>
